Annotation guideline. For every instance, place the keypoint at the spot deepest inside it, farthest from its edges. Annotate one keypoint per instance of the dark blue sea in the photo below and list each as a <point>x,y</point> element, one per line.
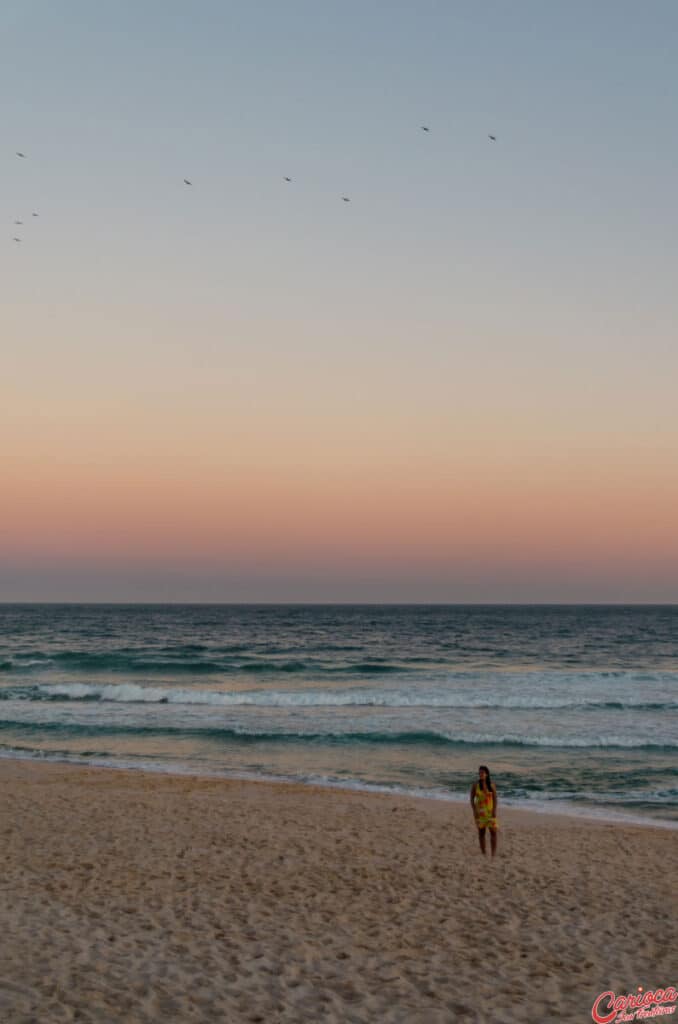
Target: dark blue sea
<point>573,708</point>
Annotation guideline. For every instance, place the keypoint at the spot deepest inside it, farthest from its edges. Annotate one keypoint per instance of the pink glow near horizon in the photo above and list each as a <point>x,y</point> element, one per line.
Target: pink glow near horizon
<point>516,517</point>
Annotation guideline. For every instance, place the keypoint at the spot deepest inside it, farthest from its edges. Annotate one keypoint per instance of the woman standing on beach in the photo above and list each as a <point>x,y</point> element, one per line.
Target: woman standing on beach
<point>484,804</point>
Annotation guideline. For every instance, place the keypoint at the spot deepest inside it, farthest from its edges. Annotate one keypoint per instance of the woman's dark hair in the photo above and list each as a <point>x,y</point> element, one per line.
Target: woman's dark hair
<point>488,780</point>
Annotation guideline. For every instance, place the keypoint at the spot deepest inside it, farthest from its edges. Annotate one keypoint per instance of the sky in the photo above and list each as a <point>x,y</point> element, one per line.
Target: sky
<point>460,386</point>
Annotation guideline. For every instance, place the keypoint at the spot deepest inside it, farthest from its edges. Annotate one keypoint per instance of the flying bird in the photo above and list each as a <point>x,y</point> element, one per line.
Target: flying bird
<point>35,215</point>
<point>15,239</point>
<point>346,199</point>
<point>425,128</point>
<point>22,155</point>
<point>187,182</point>
<point>286,178</point>
<point>492,138</point>
<point>18,222</point>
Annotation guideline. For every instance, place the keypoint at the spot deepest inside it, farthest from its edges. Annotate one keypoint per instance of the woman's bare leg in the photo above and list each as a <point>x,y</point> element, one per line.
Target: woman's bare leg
<point>481,837</point>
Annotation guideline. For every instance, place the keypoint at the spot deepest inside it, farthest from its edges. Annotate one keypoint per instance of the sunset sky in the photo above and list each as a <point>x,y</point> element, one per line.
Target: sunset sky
<point>460,386</point>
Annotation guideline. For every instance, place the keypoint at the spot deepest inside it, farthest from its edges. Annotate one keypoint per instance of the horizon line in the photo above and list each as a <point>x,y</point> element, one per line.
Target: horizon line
<point>351,604</point>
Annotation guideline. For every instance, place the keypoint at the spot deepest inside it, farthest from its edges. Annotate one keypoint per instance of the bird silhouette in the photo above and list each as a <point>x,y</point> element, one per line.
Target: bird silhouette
<point>18,222</point>
<point>346,199</point>
<point>286,178</point>
<point>22,155</point>
<point>187,182</point>
<point>425,128</point>
<point>15,239</point>
<point>492,138</point>
<point>35,215</point>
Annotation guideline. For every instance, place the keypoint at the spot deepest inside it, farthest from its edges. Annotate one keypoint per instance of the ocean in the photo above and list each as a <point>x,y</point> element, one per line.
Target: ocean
<point>573,708</point>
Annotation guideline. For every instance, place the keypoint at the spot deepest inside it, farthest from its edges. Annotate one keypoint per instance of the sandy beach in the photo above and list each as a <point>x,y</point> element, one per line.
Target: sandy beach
<point>130,897</point>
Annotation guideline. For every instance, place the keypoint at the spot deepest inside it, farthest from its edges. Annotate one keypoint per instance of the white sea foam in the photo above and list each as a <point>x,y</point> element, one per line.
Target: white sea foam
<point>135,693</point>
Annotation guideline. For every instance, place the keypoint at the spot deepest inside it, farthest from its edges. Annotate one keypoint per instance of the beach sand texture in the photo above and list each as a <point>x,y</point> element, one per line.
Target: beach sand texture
<point>130,897</point>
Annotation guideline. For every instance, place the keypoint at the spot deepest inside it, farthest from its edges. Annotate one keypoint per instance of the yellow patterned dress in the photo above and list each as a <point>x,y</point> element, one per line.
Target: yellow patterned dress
<point>484,804</point>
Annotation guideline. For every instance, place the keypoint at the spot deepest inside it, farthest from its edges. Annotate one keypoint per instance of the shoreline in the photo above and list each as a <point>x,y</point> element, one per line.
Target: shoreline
<point>136,897</point>
<point>542,810</point>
